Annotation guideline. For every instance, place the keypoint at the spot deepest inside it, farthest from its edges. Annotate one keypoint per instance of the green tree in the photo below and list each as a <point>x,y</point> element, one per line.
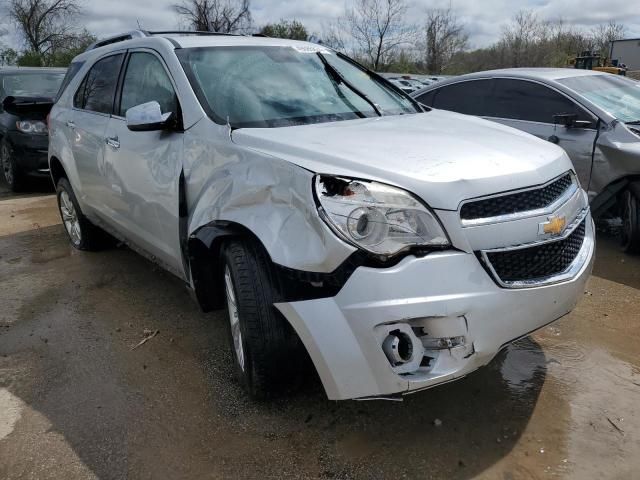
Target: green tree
<point>61,53</point>
<point>293,30</point>
<point>8,56</point>
<point>31,59</point>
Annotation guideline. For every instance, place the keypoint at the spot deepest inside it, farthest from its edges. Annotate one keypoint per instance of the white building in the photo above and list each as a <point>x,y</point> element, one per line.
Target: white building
<point>626,51</point>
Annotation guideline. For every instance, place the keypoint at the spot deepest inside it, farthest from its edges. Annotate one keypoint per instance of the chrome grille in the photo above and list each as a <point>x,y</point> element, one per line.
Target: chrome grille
<point>523,201</point>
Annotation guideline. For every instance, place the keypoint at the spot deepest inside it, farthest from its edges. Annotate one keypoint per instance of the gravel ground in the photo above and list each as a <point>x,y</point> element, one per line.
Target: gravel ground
<point>77,402</point>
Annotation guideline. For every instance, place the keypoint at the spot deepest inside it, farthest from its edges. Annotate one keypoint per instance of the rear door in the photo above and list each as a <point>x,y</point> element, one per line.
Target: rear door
<point>85,128</point>
<point>142,169</point>
<point>531,106</point>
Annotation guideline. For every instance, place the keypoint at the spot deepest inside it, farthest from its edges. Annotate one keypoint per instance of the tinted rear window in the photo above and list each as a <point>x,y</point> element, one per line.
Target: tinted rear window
<point>470,98</point>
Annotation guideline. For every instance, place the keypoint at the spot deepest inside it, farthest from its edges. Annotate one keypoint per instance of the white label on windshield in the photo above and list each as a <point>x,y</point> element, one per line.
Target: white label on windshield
<point>311,49</point>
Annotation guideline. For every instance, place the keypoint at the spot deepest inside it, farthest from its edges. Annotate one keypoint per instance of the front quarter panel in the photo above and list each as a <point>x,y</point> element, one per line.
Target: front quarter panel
<point>617,155</point>
<point>268,196</point>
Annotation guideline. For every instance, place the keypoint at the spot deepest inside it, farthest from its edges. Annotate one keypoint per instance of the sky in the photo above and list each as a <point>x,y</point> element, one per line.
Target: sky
<point>483,18</point>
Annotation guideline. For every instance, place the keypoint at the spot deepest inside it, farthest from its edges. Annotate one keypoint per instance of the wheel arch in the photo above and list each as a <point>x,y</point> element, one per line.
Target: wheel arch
<point>204,247</point>
<point>609,195</point>
<point>57,170</point>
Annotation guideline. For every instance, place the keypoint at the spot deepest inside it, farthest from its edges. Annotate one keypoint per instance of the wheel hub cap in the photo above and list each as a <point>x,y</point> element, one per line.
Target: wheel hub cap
<point>70,218</point>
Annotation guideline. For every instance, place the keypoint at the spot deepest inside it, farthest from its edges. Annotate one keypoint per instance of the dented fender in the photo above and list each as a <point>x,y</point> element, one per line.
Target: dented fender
<point>227,184</point>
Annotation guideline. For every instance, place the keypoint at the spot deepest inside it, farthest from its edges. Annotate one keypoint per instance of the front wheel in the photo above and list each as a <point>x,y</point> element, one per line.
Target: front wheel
<point>630,210</point>
<point>264,346</point>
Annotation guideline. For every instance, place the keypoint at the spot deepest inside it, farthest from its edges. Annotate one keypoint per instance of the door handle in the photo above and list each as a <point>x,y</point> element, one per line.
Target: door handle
<point>70,124</point>
<point>113,142</point>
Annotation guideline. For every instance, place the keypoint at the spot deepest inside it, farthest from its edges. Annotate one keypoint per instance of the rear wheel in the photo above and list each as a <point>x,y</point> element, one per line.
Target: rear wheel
<point>263,344</point>
<point>12,174</point>
<point>630,211</point>
<point>83,235</point>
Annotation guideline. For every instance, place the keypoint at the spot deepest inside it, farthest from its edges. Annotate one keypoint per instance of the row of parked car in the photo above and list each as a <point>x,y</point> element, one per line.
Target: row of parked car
<point>399,246</point>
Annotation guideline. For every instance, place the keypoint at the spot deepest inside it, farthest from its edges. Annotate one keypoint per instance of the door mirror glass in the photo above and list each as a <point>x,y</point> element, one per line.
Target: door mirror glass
<point>148,117</point>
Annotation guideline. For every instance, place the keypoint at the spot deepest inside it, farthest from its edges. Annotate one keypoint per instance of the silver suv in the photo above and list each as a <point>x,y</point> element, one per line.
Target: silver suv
<point>400,248</point>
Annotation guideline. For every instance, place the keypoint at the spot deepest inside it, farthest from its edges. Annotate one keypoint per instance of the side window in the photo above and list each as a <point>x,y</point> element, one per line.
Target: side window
<point>427,98</point>
<point>71,73</point>
<point>470,97</point>
<point>97,90</point>
<point>530,101</point>
<point>146,80</point>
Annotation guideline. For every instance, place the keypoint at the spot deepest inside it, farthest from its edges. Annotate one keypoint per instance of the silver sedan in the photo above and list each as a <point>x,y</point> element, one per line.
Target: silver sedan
<point>594,116</point>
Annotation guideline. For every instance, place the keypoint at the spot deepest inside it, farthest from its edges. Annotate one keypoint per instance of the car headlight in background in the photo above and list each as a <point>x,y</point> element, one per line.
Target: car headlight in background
<point>375,217</point>
<point>31,126</point>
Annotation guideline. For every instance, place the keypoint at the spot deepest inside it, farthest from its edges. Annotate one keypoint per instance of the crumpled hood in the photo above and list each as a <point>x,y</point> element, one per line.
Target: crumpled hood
<point>443,157</point>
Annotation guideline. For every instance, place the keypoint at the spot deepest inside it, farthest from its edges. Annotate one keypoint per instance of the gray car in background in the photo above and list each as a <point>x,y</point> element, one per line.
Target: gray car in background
<point>594,116</point>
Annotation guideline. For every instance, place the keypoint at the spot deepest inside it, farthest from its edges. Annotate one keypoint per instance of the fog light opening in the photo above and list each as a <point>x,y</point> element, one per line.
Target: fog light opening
<point>398,348</point>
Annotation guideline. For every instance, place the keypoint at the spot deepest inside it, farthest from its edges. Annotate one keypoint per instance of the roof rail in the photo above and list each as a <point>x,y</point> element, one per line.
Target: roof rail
<point>121,37</point>
<point>188,32</point>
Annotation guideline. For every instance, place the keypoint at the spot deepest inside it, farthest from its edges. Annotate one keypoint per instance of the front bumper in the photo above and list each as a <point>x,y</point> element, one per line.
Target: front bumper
<point>31,153</point>
<point>445,295</point>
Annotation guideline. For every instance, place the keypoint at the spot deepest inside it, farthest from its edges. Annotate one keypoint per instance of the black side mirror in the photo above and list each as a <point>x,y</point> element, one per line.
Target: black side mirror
<point>570,120</point>
<point>565,119</point>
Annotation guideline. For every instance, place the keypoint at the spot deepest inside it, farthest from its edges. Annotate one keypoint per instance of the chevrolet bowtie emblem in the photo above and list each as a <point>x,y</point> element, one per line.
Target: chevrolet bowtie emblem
<point>555,225</point>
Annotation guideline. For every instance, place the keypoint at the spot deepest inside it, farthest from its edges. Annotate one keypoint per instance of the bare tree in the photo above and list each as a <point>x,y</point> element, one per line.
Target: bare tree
<point>604,34</point>
<point>444,36</point>
<point>520,38</point>
<point>378,28</point>
<point>333,36</point>
<point>223,16</point>
<point>44,23</point>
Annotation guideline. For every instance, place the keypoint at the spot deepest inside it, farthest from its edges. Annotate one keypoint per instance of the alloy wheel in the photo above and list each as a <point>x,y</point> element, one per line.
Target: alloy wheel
<point>234,318</point>
<point>70,218</point>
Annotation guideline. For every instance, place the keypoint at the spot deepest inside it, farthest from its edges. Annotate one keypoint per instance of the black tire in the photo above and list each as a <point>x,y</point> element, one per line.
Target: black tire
<point>10,170</point>
<point>270,349</point>
<point>630,212</point>
<point>89,236</point>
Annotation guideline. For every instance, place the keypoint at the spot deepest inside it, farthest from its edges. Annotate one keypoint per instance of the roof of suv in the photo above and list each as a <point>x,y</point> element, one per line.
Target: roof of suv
<point>191,40</point>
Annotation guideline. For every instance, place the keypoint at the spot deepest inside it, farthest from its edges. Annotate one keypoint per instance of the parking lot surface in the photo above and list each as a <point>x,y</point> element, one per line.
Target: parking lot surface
<point>78,401</point>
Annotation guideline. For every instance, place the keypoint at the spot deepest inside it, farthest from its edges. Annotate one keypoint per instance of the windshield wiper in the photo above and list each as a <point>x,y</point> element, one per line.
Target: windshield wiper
<point>633,122</point>
<point>341,79</point>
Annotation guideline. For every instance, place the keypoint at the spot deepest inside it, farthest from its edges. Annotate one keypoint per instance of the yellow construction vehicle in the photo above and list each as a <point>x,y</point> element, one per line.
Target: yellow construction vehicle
<point>594,61</point>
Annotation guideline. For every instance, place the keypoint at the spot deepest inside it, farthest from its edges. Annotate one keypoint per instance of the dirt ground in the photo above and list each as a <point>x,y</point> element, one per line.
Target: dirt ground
<point>77,402</point>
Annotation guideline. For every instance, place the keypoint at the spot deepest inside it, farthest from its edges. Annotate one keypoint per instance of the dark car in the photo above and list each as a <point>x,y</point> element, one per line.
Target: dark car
<point>26,97</point>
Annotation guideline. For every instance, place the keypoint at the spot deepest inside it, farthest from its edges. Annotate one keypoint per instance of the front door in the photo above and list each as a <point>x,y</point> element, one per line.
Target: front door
<point>142,169</point>
<point>530,107</point>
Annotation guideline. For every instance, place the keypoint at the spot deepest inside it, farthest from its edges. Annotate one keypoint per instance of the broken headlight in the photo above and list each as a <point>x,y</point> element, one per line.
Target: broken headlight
<point>378,218</point>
